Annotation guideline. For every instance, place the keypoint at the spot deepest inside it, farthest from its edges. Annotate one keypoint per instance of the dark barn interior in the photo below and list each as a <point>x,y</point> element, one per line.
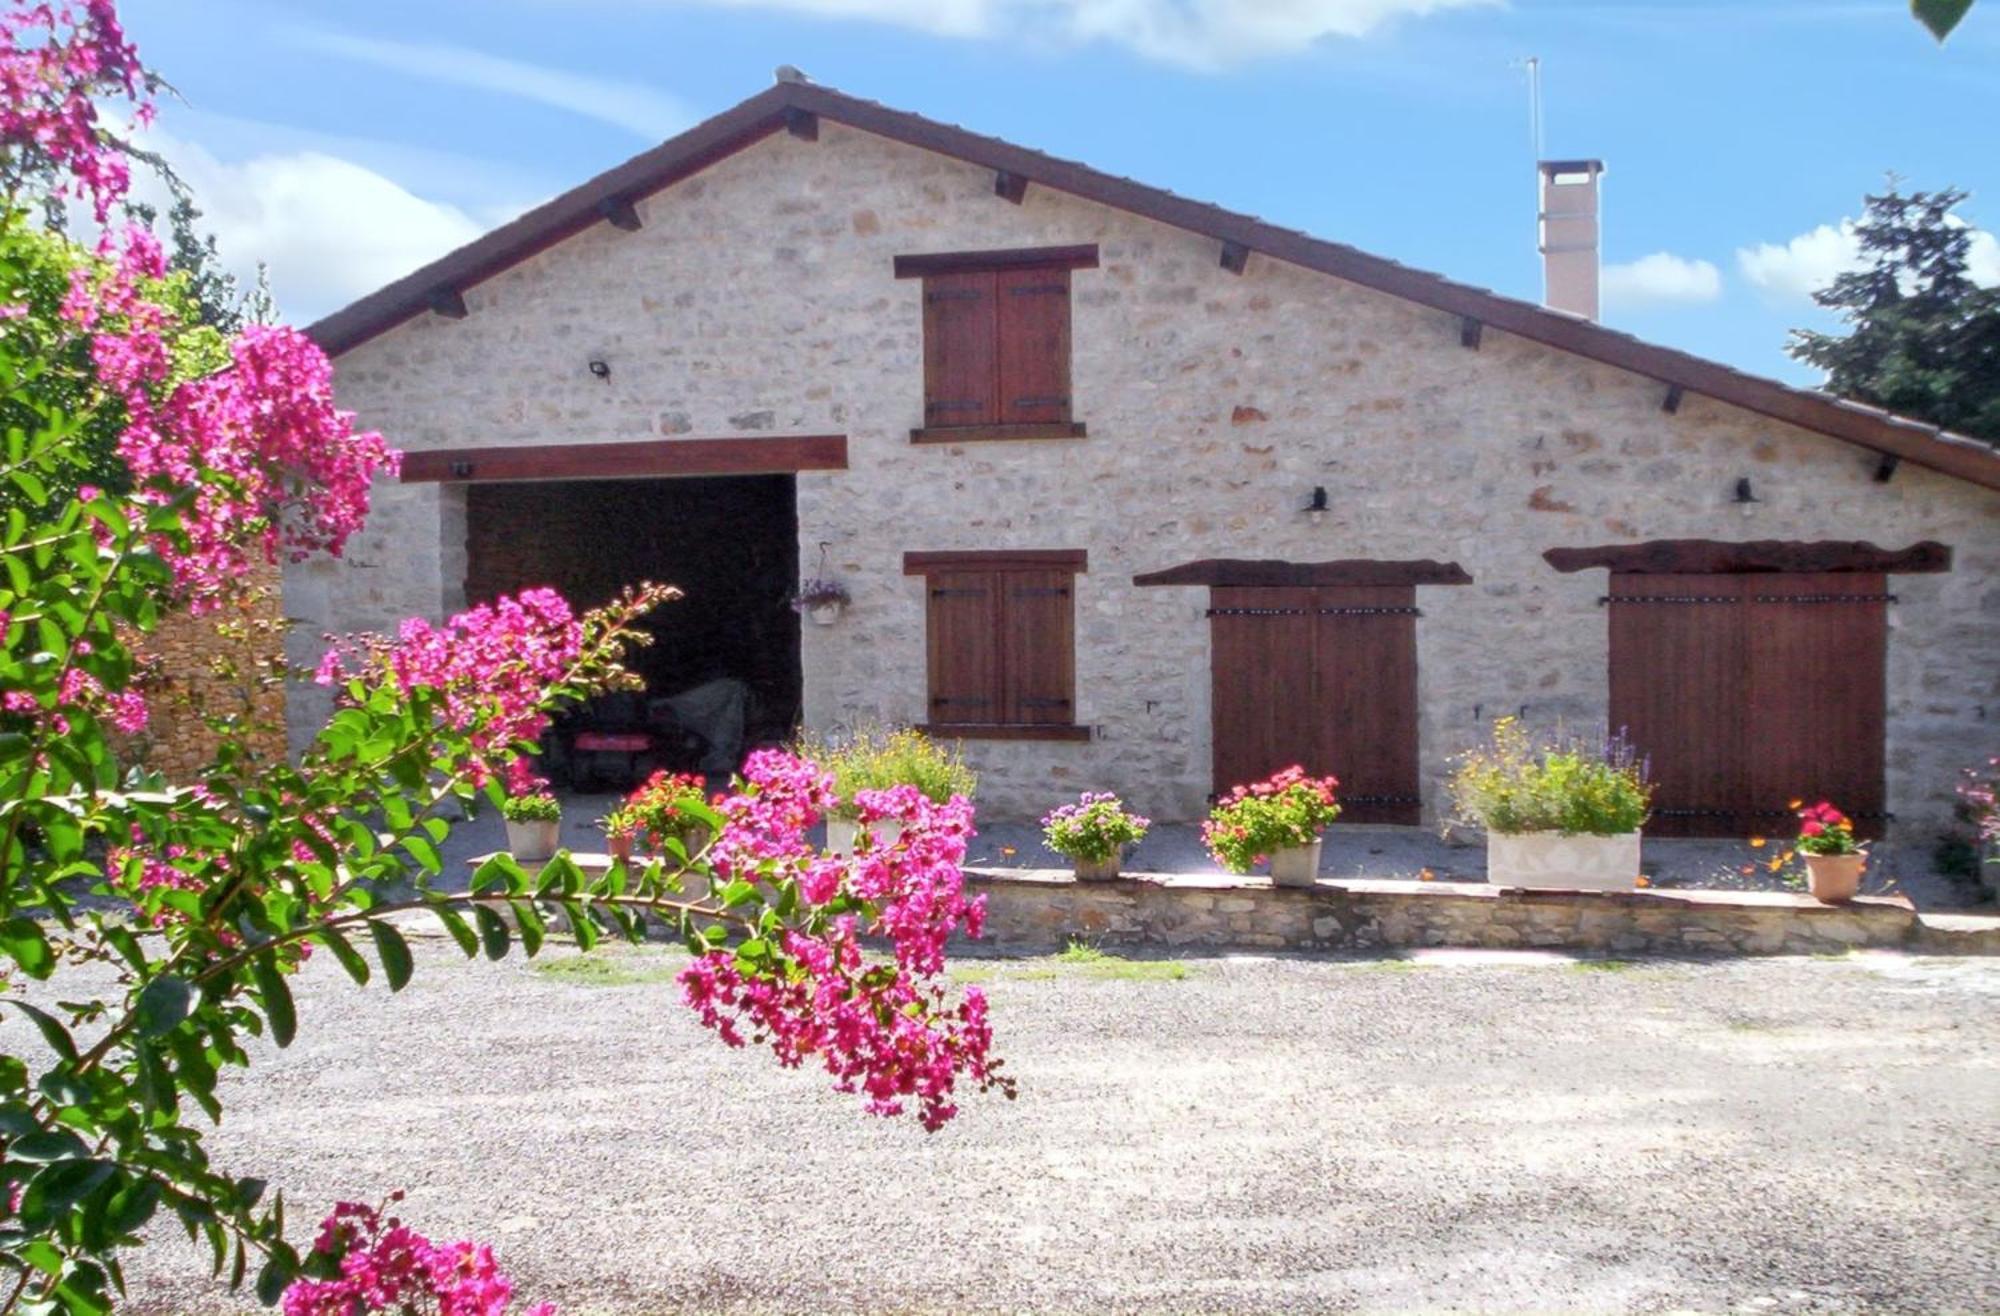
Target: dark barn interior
<point>730,543</point>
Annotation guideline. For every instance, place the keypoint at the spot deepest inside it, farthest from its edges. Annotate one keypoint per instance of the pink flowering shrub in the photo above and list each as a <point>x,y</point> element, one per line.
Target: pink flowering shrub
<point>56,61</point>
<point>365,1262</point>
<point>1981,793</point>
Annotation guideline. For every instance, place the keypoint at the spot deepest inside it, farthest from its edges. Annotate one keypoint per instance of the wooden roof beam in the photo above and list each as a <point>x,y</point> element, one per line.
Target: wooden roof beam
<point>1671,403</point>
<point>1235,256</point>
<point>620,213</point>
<point>448,302</point>
<point>1010,187</point>
<point>1469,332</point>
<point>802,124</point>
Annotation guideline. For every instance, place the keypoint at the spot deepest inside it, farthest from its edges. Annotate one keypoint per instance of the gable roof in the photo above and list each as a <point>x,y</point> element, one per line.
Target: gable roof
<point>794,105</point>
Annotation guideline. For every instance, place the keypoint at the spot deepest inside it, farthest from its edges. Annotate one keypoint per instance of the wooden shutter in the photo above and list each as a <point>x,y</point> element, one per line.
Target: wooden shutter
<point>1038,647</point>
<point>1818,648</point>
<point>1032,306</point>
<point>1364,700</point>
<point>963,624</point>
<point>960,352</point>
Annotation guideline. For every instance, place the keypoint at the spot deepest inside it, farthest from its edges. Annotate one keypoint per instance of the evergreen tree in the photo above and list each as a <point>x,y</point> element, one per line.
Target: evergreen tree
<point>1924,339</point>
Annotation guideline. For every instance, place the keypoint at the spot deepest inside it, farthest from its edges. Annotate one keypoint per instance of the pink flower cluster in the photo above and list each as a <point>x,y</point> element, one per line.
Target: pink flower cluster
<point>890,1035</point>
<point>386,1266</point>
<point>56,61</point>
<point>492,665</point>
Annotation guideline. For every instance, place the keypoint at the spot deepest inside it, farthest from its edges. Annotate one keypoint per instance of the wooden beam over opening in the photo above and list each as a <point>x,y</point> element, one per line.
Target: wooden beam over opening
<point>802,124</point>
<point>1353,571</point>
<point>1083,257</point>
<point>643,459</point>
<point>1671,403</point>
<point>1885,470</point>
<point>1469,332</point>
<point>1010,187</point>
<point>448,302</point>
<point>1235,256</point>
<point>619,213</point>
<point>1705,556</point>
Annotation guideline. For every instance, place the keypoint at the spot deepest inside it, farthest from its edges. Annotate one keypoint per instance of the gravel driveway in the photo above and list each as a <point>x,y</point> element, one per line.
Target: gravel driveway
<point>1465,1132</point>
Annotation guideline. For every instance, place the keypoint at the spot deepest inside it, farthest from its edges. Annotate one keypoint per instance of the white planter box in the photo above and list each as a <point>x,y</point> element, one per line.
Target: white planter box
<point>1553,861</point>
<point>1297,866</point>
<point>840,834</point>
<point>533,840</point>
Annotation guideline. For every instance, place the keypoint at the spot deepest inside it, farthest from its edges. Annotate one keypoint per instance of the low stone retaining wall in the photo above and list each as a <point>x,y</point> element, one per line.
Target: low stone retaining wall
<point>1037,910</point>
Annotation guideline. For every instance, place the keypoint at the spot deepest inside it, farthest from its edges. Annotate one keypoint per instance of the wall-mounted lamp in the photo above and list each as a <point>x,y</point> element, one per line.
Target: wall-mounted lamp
<point>1318,507</point>
<point>1746,497</point>
<point>601,369</point>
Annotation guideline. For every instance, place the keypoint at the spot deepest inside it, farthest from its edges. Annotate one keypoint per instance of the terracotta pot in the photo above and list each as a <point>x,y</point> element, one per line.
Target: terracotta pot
<point>533,840</point>
<point>1296,866</point>
<point>1834,879</point>
<point>1555,861</point>
<point>1097,870</point>
<point>619,846</point>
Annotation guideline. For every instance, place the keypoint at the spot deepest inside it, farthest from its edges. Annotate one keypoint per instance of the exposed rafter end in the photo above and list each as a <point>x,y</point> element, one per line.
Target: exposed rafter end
<point>802,124</point>
<point>1010,187</point>
<point>1469,333</point>
<point>1235,256</point>
<point>1672,401</point>
<point>1885,470</point>
<point>448,302</point>
<point>619,213</point>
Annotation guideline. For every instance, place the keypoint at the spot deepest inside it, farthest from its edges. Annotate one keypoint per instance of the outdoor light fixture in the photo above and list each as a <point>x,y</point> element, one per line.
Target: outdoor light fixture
<point>1746,498</point>
<point>601,369</point>
<point>1317,508</point>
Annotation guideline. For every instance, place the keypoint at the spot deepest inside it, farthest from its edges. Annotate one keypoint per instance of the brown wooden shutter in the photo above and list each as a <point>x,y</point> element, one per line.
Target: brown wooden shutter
<point>1033,318</point>
<point>1038,647</point>
<point>964,622</point>
<point>960,351</point>
<point>1364,700</point>
<point>1261,670</point>
<point>1818,647</point>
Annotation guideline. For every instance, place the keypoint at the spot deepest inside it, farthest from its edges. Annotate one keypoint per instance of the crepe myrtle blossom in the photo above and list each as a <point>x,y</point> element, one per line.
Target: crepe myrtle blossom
<point>887,1032</point>
<point>56,62</point>
<point>376,1263</point>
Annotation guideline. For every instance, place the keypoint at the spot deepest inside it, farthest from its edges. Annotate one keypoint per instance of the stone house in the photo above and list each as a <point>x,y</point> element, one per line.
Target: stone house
<point>1132,492</point>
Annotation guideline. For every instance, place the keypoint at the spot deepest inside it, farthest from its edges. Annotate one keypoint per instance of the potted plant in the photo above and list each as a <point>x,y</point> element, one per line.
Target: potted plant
<point>1093,834</point>
<point>1562,814</point>
<point>1281,819</point>
<point>1834,859</point>
<point>666,805</point>
<point>821,599</point>
<point>872,758</point>
<point>534,824</point>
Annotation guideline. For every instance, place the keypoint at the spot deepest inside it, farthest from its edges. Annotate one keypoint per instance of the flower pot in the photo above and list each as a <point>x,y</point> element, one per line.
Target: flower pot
<point>533,840</point>
<point>1296,865</point>
<point>619,847</point>
<point>824,614</point>
<point>1097,870</point>
<point>842,832</point>
<point>1556,861</point>
<point>1834,879</point>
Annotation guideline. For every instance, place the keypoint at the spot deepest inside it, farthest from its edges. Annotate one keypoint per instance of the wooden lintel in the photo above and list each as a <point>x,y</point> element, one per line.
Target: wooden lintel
<point>802,124</point>
<point>1469,332</point>
<point>1081,257</point>
<point>448,302</point>
<point>1235,256</point>
<point>619,213</point>
<point>1672,401</point>
<point>1352,571</point>
<point>1885,470</point>
<point>1010,187</point>
<point>642,459</point>
<point>1669,556</point>
<point>997,559</point>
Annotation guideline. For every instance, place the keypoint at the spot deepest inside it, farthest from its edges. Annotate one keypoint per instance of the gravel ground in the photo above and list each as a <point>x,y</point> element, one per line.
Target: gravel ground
<point>1463,1131</point>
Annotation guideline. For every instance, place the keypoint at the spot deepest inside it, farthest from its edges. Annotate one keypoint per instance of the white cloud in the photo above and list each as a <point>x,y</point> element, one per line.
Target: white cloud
<point>1795,270</point>
<point>1661,279</point>
<point>1202,34</point>
<point>633,106</point>
<point>328,229</point>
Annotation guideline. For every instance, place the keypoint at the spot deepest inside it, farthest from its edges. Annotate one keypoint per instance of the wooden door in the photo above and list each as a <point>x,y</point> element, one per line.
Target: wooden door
<point>1748,691</point>
<point>1325,678</point>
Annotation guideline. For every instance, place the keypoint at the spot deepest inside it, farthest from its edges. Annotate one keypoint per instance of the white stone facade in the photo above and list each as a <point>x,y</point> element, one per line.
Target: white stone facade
<point>758,300</point>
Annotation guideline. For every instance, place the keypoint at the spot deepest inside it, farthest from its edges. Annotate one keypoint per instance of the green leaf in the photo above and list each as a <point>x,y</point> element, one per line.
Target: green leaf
<point>460,930</point>
<point>423,852</point>
<point>61,1185</point>
<point>162,1004</point>
<point>343,950</point>
<point>277,998</point>
<point>532,928</point>
<point>394,953</point>
<point>492,932</point>
<point>48,1145</point>
<point>53,1033</point>
<point>271,1282</point>
<point>23,941</point>
<point>1940,16</point>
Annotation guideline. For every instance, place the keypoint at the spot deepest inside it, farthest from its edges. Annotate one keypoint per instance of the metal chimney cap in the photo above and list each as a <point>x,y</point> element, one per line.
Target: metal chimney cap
<point>1554,167</point>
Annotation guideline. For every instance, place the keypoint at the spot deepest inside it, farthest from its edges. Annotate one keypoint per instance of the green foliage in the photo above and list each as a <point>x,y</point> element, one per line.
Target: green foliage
<point>1940,16</point>
<point>875,758</point>
<point>539,807</point>
<point>1256,821</point>
<point>193,259</point>
<point>1513,785</point>
<point>1923,338</point>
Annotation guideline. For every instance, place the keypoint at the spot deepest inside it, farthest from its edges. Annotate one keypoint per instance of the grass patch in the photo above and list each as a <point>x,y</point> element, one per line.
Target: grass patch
<point>606,969</point>
<point>1078,959</point>
<point>1605,966</point>
<point>1388,965</point>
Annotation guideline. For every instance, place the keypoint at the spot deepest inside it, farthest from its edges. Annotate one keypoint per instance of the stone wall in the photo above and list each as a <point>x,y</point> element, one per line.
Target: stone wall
<point>226,664</point>
<point>758,299</point>
<point>1036,911</point>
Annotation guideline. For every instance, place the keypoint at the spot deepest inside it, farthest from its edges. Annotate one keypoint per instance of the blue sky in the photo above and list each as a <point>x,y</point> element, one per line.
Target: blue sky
<point>346,141</point>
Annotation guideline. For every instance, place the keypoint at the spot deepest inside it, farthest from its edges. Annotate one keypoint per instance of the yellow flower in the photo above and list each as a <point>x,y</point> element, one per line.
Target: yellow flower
<point>1007,850</point>
<point>1426,875</point>
<point>1642,880</point>
<point>1793,804</point>
<point>1756,843</point>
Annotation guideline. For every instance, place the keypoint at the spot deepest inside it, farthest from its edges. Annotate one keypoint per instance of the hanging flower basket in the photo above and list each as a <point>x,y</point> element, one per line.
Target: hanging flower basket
<point>821,599</point>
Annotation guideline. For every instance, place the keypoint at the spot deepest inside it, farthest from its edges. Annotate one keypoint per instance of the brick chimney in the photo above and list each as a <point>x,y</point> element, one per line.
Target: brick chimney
<point>1569,235</point>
